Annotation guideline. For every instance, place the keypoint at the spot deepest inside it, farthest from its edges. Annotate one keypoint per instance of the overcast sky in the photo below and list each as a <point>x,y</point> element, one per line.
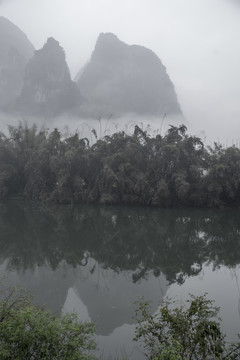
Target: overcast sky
<point>197,40</point>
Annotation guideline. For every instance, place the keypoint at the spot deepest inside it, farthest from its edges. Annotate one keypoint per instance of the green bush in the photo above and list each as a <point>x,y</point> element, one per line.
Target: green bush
<point>28,332</point>
<point>183,333</point>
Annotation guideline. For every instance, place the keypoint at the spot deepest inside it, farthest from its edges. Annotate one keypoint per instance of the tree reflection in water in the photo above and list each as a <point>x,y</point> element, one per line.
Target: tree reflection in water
<point>159,241</point>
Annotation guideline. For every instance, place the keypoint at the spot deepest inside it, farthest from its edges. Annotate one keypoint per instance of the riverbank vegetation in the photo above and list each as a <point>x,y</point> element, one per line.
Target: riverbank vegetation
<point>165,171</point>
<point>190,331</point>
<point>28,332</point>
<point>185,331</point>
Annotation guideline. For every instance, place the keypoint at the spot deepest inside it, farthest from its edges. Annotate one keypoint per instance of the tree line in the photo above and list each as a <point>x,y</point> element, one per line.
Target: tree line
<point>164,171</point>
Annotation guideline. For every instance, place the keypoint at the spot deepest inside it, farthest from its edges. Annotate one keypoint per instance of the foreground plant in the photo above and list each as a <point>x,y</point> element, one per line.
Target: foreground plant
<point>28,332</point>
<point>186,332</point>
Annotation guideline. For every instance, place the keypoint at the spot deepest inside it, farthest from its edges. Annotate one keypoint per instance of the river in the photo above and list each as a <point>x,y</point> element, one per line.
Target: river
<point>97,261</point>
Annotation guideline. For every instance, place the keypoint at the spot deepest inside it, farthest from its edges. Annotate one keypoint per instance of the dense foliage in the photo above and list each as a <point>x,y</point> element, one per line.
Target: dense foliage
<point>171,170</point>
<point>31,333</point>
<point>183,333</point>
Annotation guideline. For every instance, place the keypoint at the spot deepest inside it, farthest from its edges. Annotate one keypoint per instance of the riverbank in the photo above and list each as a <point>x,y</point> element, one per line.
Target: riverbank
<point>162,171</point>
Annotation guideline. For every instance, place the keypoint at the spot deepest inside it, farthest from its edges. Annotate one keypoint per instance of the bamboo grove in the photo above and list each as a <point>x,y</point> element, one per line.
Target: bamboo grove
<point>164,171</point>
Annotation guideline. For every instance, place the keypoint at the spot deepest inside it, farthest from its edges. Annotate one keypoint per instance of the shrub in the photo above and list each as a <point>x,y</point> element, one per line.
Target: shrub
<point>28,332</point>
<point>189,332</point>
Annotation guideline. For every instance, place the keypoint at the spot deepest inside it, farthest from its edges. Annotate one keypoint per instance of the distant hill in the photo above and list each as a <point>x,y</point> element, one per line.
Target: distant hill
<point>48,89</point>
<point>122,79</point>
<point>15,52</point>
<point>118,79</point>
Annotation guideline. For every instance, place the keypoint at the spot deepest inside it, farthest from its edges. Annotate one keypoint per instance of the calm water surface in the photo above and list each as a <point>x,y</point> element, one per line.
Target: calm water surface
<point>96,261</point>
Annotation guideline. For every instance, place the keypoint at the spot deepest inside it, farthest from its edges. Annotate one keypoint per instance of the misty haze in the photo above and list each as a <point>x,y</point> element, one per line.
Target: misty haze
<point>119,175</point>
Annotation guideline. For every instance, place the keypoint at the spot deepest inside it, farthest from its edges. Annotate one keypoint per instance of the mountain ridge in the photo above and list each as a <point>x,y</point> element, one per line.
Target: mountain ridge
<point>127,79</point>
<point>16,50</point>
<point>118,79</point>
<point>48,89</point>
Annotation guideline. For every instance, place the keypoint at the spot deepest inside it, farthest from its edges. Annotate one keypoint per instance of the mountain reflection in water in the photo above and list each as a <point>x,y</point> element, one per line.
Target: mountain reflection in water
<point>96,260</point>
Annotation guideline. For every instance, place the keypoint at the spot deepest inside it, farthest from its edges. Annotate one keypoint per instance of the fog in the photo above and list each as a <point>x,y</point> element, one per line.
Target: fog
<point>196,40</point>
<point>94,129</point>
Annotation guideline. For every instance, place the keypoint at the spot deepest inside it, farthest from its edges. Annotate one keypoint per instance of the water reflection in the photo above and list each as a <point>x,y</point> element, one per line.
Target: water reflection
<point>110,296</point>
<point>173,242</point>
<point>221,284</point>
<point>96,260</point>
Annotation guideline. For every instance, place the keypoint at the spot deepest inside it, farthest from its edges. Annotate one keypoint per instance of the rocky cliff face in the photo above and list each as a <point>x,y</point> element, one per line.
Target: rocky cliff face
<point>127,79</point>
<point>15,52</point>
<point>48,89</point>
